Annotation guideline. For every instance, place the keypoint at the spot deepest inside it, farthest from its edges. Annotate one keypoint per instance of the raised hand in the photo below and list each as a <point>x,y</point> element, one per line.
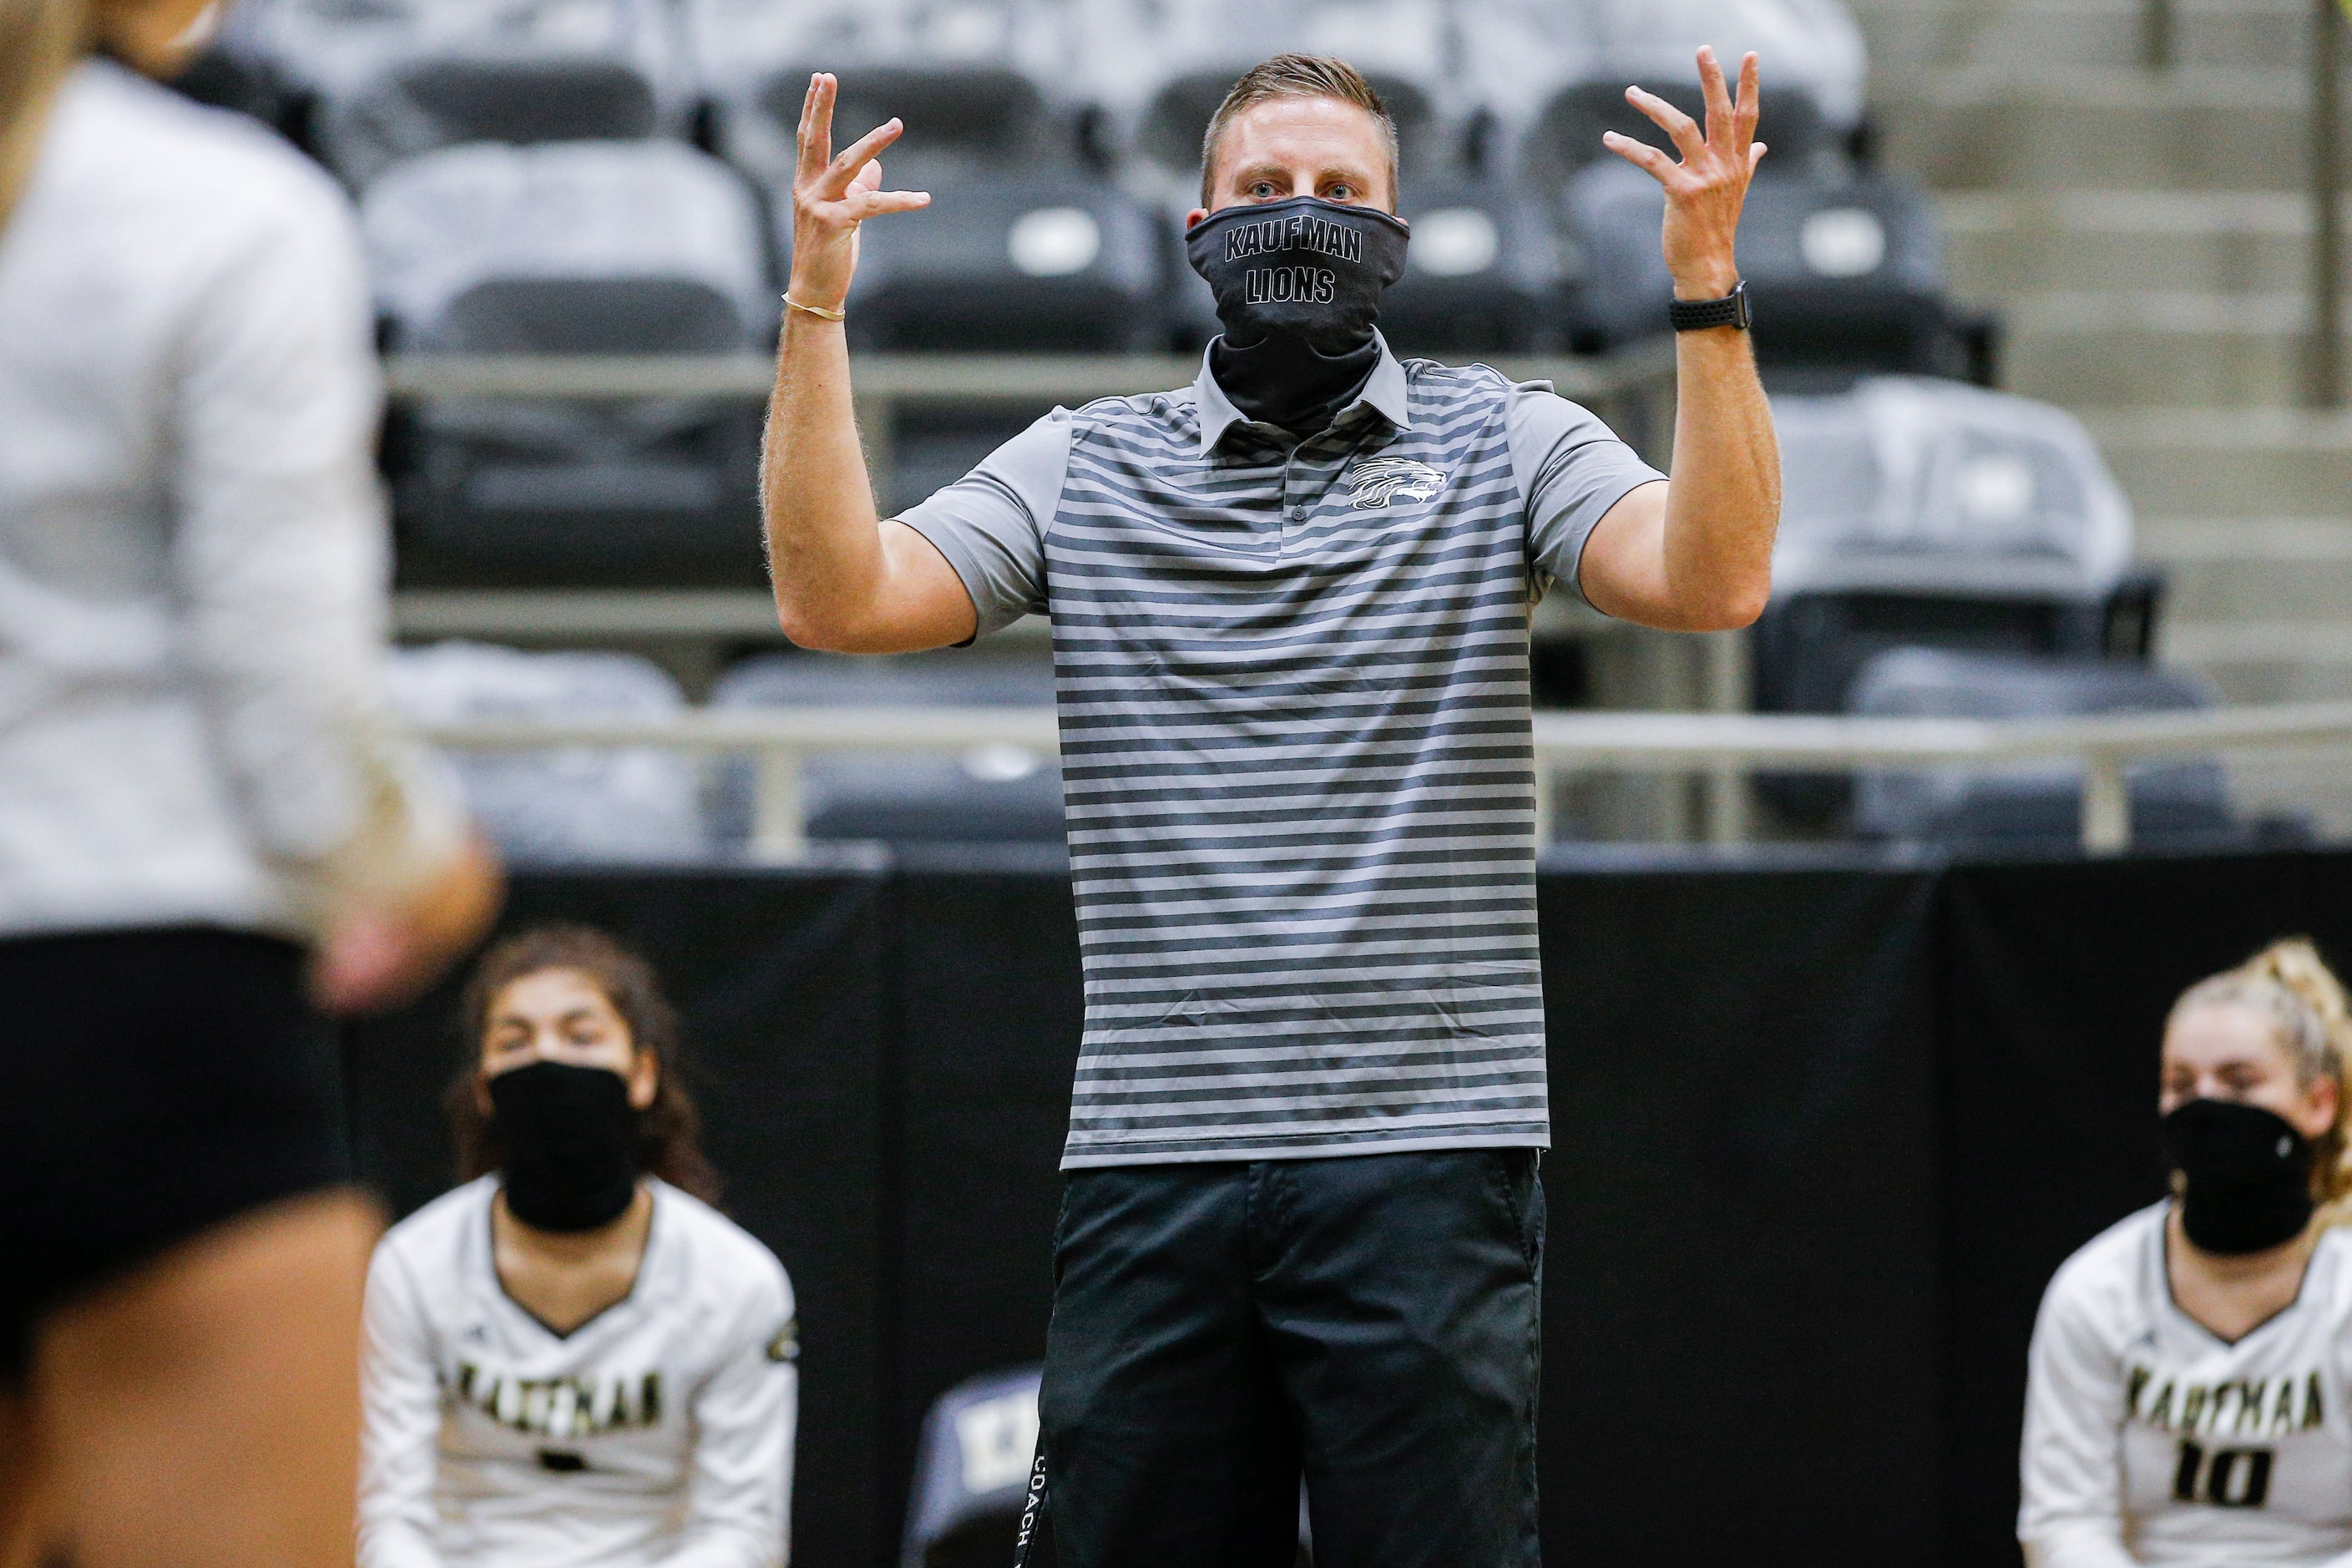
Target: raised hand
<point>832,195</point>
<point>1706,191</point>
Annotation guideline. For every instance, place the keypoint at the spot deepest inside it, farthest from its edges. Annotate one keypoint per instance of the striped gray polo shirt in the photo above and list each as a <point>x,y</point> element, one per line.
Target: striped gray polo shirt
<point>1293,685</point>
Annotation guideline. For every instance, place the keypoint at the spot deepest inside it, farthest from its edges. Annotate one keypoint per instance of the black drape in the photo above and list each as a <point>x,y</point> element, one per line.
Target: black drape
<point>1823,1130</point>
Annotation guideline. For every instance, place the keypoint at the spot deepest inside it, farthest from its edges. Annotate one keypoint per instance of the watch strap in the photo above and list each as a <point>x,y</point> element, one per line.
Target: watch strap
<point>1700,315</point>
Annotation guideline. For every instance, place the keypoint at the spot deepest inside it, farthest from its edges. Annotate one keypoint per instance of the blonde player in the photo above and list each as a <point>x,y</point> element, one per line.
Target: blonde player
<point>2189,1398</point>
<point>574,1361</point>
<point>209,825</point>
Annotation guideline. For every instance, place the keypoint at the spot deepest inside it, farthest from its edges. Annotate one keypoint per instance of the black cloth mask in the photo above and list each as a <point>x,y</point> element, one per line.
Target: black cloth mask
<point>1298,287</point>
<point>2247,1176</point>
<point>571,1142</point>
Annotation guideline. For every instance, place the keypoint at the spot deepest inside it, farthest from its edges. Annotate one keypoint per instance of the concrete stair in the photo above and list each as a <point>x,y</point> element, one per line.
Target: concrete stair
<point>1937,35</point>
<point>2145,236</point>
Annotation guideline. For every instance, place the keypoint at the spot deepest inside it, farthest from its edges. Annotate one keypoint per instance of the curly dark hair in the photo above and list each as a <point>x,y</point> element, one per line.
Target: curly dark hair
<point>669,1131</point>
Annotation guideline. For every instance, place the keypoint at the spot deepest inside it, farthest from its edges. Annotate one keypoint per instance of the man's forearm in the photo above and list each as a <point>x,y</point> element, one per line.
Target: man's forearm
<point>1702,561</point>
<point>1724,502</point>
<point>824,549</point>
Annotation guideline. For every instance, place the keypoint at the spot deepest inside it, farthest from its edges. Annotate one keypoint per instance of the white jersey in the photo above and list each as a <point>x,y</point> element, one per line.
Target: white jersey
<point>194,725</point>
<point>2151,1440</point>
<point>659,1431</point>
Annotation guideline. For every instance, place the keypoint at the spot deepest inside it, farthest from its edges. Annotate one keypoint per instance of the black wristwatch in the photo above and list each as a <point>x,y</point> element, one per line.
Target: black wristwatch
<point>1698,315</point>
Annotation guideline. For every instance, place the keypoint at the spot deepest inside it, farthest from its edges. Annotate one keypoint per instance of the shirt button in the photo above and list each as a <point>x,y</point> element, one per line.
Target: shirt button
<point>1299,514</point>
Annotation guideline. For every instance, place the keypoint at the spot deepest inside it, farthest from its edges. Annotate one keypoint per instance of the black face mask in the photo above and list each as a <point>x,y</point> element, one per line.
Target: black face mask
<point>570,1142</point>
<point>2247,1173</point>
<point>1298,287</point>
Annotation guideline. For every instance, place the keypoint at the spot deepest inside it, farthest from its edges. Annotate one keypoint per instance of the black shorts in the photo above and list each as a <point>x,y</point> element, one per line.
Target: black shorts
<point>152,1085</point>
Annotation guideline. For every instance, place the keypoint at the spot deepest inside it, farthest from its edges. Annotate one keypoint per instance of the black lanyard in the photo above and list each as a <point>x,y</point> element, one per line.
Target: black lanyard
<point>1032,1508</point>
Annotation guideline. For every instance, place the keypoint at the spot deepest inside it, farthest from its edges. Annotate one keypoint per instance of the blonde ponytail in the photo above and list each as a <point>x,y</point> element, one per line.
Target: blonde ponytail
<point>40,40</point>
<point>2291,984</point>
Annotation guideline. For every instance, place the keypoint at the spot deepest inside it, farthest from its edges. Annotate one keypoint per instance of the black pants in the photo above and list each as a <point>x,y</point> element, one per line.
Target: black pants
<point>1370,1322</point>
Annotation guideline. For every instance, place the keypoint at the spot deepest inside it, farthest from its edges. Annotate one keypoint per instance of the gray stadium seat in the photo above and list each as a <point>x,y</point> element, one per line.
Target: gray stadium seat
<point>1845,269</point>
<point>1925,513</point>
<point>1808,46</point>
<point>1918,511</point>
<point>987,795</point>
<point>397,77</point>
<point>572,803</point>
<point>1845,265</point>
<point>2173,802</point>
<point>972,1475</point>
<point>564,249</point>
<point>1565,137</point>
<point>1022,248</point>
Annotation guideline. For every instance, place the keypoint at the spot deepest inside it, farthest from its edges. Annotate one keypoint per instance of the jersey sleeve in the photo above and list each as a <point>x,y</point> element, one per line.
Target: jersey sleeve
<point>401,1422</point>
<point>738,1510</point>
<point>1572,468</point>
<point>990,523</point>
<point>2071,1465</point>
<point>280,560</point>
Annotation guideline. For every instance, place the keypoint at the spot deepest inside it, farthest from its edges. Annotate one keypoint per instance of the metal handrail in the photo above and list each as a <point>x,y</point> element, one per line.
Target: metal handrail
<point>779,739</point>
<point>961,378</point>
<point>1633,387</point>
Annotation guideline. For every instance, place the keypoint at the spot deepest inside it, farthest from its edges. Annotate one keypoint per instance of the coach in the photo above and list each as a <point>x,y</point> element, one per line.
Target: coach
<point>1302,1231</point>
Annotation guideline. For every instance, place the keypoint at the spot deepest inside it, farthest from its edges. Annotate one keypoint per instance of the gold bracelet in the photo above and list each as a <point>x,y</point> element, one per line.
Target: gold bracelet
<point>821,313</point>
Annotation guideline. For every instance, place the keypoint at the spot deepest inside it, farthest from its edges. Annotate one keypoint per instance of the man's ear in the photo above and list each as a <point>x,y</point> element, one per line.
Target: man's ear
<point>1195,216</point>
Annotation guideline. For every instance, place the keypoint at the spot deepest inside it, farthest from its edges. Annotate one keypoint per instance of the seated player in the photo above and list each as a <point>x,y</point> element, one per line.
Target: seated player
<point>574,1359</point>
<point>2187,1403</point>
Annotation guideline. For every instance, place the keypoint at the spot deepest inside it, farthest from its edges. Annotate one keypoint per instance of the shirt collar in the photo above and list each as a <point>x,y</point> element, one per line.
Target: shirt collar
<point>1385,391</point>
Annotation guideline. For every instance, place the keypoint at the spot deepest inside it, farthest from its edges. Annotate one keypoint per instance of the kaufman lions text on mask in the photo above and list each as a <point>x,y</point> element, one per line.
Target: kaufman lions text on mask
<point>1292,231</point>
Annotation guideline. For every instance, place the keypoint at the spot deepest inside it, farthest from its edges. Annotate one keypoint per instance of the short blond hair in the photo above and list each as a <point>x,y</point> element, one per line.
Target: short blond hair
<point>2289,983</point>
<point>1294,75</point>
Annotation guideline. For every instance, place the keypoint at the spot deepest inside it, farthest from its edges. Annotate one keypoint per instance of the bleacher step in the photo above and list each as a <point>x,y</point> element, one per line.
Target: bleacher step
<point>1905,35</point>
<point>2117,348</point>
<point>2060,126</point>
<point>2227,462</point>
<point>2236,32</point>
<point>2004,243</point>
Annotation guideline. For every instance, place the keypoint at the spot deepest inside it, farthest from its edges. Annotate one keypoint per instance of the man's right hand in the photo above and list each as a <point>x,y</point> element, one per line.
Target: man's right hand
<point>832,195</point>
<point>844,581</point>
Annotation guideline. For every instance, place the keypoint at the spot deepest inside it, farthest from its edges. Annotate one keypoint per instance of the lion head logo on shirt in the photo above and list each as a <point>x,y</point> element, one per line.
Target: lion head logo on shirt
<point>1376,481</point>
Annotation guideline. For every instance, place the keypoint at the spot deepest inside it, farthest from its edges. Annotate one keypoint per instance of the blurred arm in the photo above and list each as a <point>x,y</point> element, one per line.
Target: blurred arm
<point>279,563</point>
<point>844,580</point>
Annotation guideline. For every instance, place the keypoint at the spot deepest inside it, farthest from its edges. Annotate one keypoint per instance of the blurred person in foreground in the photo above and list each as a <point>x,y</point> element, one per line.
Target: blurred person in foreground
<point>1303,1227</point>
<point>211,832</point>
<point>2188,1398</point>
<point>575,1361</point>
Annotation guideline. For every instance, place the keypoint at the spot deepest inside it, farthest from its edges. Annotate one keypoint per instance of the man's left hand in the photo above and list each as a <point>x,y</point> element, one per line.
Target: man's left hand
<point>1706,191</point>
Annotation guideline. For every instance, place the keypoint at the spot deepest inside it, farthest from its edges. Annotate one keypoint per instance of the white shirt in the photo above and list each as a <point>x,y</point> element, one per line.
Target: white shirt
<point>658,1432</point>
<point>192,550</point>
<point>2150,1440</point>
